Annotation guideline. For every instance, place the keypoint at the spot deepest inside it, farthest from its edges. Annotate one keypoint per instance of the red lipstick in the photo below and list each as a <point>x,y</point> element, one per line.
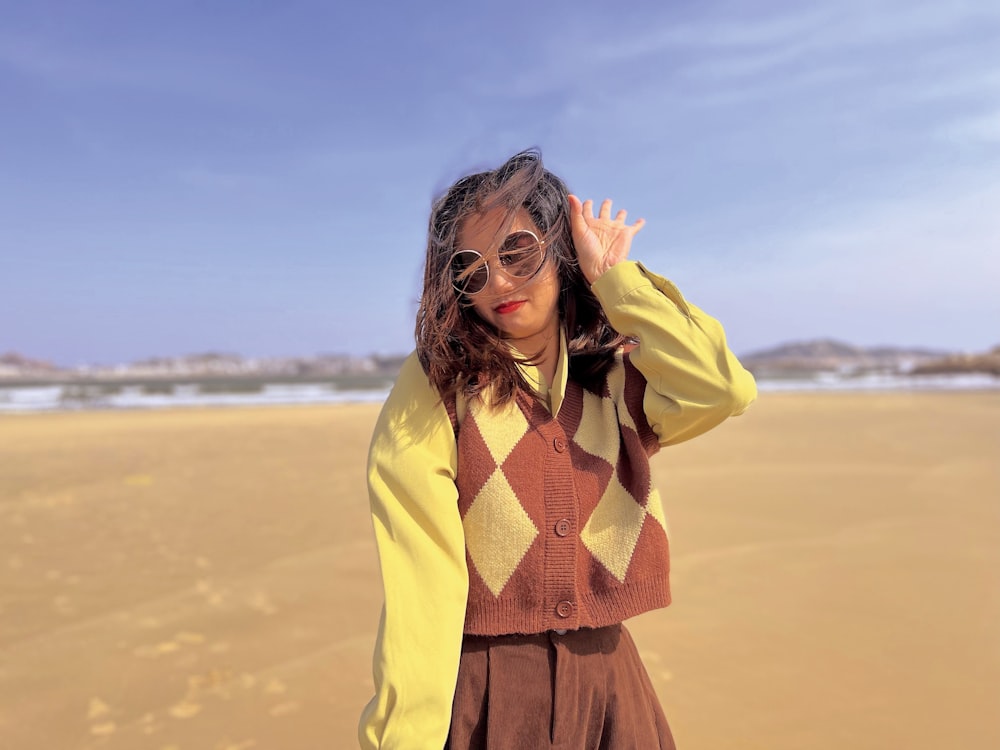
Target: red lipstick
<point>509,307</point>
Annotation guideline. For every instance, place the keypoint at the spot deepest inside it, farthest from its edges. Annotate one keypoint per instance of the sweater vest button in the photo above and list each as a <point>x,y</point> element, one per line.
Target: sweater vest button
<point>559,444</point>
<point>564,608</point>
<point>563,527</point>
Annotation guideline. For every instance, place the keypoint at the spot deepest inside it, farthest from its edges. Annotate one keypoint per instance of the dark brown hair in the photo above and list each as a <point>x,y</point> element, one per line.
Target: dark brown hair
<point>459,351</point>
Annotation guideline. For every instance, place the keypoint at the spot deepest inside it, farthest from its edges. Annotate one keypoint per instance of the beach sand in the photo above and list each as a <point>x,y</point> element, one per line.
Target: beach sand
<point>208,579</point>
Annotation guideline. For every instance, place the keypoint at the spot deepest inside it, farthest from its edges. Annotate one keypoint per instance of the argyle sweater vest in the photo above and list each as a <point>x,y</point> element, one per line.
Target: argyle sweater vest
<point>563,528</point>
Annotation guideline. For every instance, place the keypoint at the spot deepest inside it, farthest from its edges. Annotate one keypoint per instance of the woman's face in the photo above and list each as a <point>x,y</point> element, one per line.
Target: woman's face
<point>524,312</point>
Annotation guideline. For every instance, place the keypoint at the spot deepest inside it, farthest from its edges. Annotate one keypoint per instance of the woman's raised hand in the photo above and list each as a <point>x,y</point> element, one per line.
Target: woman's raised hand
<point>600,241</point>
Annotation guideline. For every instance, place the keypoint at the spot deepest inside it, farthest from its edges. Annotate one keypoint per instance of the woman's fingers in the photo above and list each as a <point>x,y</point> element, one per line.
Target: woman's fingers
<point>585,210</point>
<point>576,217</point>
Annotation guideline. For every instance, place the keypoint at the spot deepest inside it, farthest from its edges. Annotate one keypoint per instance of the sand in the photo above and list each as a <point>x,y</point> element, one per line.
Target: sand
<point>207,578</point>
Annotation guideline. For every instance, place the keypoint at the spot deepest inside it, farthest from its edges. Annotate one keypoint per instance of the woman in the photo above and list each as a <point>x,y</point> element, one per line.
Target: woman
<point>509,475</point>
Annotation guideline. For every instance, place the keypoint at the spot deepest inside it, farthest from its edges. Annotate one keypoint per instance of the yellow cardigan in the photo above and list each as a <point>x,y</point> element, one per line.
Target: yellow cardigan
<point>694,382</point>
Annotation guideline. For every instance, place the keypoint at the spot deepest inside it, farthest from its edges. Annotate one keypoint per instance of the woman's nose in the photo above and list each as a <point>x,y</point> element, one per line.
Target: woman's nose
<point>500,282</point>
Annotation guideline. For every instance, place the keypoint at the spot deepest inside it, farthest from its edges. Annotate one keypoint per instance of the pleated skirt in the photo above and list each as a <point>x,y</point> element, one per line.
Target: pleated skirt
<point>582,690</point>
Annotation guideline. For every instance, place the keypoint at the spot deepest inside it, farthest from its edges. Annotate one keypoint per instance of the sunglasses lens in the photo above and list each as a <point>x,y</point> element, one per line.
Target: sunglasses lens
<point>521,255</point>
<point>469,272</point>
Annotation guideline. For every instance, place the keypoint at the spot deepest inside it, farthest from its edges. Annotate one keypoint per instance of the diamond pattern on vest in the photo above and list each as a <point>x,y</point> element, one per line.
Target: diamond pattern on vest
<point>598,430</point>
<point>616,392</point>
<point>498,531</point>
<point>613,528</point>
<point>522,471</point>
<point>654,506</point>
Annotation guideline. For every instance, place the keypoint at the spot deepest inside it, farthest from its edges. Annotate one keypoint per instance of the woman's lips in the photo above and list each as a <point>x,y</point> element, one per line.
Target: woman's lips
<point>509,307</point>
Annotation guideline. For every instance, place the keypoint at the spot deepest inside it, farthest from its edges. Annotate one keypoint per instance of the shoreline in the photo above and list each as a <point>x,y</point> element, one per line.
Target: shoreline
<point>71,399</point>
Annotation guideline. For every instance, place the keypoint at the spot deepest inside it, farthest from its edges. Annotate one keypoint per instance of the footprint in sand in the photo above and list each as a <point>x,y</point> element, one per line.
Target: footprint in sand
<point>283,709</point>
<point>185,710</point>
<point>149,725</point>
<point>54,500</point>
<point>97,709</point>
<point>159,649</point>
<point>63,605</point>
<point>275,687</point>
<point>211,680</point>
<point>262,603</point>
<point>103,730</point>
<point>212,595</point>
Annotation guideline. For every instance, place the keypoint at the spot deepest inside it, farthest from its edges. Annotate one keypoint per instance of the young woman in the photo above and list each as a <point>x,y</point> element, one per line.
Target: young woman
<point>509,474</point>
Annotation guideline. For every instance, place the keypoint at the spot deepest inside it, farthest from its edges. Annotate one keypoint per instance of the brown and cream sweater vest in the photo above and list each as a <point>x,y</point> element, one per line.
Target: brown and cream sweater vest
<point>563,528</point>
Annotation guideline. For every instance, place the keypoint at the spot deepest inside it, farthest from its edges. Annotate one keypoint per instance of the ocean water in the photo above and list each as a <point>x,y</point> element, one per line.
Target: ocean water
<point>78,397</point>
<point>93,396</point>
<point>882,382</point>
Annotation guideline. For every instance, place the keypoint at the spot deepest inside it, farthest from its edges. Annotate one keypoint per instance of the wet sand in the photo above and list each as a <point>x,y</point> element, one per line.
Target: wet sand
<point>207,578</point>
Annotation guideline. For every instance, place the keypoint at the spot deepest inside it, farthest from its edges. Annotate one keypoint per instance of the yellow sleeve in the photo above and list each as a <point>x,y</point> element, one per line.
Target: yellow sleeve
<point>694,381</point>
<point>418,529</point>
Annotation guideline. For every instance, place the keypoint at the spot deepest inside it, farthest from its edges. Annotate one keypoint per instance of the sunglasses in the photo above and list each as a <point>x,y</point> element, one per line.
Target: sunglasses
<point>520,256</point>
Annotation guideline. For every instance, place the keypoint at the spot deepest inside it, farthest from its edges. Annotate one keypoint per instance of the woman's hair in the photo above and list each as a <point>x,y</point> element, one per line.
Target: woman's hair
<point>458,350</point>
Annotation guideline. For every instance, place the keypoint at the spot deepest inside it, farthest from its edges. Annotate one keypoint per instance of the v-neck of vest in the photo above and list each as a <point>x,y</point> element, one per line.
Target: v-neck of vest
<point>560,378</point>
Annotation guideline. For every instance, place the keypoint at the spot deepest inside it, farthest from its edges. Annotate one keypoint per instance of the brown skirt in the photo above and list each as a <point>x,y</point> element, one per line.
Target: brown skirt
<point>585,690</point>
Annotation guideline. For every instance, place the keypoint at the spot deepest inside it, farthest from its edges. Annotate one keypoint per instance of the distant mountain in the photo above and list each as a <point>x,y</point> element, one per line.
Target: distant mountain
<point>793,360</point>
<point>806,349</point>
<point>828,355</point>
<point>962,363</point>
<point>14,364</point>
<point>204,366</point>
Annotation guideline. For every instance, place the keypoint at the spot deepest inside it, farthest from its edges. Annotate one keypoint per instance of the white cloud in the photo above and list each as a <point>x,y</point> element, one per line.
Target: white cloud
<point>775,30</point>
<point>979,129</point>
<point>923,269</point>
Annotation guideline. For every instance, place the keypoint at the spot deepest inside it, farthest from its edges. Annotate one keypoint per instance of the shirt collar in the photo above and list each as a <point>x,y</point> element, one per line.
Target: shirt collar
<point>552,393</point>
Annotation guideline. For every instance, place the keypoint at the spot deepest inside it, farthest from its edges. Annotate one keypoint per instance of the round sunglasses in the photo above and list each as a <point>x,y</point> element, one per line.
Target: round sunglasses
<point>520,256</point>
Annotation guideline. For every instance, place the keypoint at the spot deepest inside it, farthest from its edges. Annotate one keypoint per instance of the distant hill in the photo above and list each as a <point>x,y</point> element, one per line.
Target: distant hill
<point>18,369</point>
<point>13,364</point>
<point>796,359</point>
<point>828,355</point>
<point>962,363</point>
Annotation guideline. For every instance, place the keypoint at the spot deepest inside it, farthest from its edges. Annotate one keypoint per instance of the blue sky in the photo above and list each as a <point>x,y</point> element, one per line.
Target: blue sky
<point>255,177</point>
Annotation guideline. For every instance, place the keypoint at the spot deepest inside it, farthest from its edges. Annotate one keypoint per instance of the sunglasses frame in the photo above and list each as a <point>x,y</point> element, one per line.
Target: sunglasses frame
<point>539,243</point>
